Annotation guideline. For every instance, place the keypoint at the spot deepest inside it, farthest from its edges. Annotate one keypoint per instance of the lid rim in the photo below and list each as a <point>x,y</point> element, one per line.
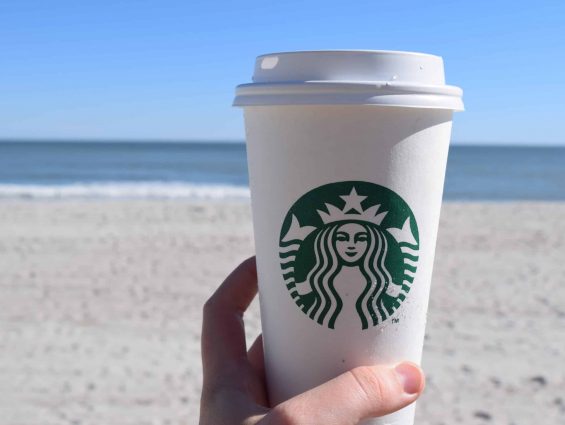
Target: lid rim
<point>328,51</point>
<point>349,86</point>
<point>422,101</point>
<point>385,105</point>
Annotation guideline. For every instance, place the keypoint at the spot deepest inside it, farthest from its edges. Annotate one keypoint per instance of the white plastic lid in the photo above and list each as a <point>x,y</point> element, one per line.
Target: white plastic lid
<point>350,77</point>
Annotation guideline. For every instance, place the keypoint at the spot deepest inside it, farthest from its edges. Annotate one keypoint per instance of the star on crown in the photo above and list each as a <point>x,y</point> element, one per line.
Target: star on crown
<point>352,210</point>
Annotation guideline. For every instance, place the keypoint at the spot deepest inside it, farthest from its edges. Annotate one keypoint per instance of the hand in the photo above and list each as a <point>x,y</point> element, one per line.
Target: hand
<point>234,390</point>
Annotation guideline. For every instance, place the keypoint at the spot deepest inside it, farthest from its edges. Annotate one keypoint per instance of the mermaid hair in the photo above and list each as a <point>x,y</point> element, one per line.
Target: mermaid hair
<point>327,303</point>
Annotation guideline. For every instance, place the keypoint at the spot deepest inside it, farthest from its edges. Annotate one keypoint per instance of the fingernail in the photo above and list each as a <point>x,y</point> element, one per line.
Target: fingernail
<point>410,376</point>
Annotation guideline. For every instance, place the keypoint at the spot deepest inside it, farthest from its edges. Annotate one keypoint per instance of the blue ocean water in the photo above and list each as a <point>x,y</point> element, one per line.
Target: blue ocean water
<point>219,170</point>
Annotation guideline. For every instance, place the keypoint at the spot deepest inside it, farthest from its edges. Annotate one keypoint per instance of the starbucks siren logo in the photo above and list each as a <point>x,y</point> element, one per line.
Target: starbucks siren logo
<point>348,235</point>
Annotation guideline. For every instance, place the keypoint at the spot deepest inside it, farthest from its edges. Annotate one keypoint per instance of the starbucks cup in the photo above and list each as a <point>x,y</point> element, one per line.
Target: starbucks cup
<point>347,153</point>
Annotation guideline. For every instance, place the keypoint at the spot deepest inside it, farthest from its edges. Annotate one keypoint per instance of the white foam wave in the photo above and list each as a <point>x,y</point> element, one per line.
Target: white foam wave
<point>121,190</point>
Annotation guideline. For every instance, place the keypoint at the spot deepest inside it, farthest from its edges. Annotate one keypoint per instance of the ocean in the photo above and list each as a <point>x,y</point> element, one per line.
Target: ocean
<point>216,170</point>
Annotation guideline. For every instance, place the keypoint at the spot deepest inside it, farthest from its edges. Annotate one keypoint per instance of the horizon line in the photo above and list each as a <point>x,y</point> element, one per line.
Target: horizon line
<point>242,141</point>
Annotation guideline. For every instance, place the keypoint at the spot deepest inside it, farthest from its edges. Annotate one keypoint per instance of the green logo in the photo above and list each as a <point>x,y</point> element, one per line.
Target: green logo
<point>349,248</point>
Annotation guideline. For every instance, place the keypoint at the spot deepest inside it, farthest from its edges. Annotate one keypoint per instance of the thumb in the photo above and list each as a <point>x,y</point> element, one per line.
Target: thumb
<point>363,392</point>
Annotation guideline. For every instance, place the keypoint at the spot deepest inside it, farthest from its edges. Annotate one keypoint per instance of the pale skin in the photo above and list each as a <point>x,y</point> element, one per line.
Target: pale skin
<point>234,391</point>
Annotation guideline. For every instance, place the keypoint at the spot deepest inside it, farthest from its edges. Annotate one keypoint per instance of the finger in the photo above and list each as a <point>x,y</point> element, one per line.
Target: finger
<point>359,394</point>
<point>223,335</point>
<point>255,357</point>
<point>256,386</point>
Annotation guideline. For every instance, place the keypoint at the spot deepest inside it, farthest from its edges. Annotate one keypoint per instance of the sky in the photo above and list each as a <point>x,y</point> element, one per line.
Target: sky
<point>166,70</point>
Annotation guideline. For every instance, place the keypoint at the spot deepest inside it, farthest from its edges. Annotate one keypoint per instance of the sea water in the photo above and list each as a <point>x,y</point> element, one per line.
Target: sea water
<point>218,170</point>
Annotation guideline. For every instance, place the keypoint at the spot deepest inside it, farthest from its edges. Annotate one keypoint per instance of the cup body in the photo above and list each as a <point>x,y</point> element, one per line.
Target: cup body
<point>313,170</point>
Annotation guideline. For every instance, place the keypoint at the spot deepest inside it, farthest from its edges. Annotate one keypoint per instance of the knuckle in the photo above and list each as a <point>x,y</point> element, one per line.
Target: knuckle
<point>371,385</point>
<point>209,307</point>
<point>249,262</point>
<point>248,269</point>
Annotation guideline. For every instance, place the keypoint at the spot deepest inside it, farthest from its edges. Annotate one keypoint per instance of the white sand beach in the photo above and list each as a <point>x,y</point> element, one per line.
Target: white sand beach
<point>100,310</point>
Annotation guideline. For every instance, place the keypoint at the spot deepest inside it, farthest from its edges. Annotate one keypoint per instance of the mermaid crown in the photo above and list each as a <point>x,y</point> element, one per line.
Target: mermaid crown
<point>352,210</point>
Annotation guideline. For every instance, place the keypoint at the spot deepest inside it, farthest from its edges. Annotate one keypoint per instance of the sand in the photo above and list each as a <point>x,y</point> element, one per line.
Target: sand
<point>100,310</point>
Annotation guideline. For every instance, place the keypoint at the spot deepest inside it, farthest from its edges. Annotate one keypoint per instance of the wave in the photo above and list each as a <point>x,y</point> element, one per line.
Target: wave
<point>126,190</point>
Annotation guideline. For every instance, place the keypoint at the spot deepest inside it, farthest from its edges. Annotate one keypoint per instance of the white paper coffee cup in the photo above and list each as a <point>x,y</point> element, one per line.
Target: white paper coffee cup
<point>347,153</point>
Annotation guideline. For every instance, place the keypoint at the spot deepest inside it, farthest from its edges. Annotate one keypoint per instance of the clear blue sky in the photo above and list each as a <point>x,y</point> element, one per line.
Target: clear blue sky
<point>167,69</point>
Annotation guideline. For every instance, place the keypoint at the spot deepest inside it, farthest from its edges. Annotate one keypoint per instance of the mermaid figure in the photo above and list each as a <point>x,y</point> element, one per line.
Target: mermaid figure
<point>351,244</point>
